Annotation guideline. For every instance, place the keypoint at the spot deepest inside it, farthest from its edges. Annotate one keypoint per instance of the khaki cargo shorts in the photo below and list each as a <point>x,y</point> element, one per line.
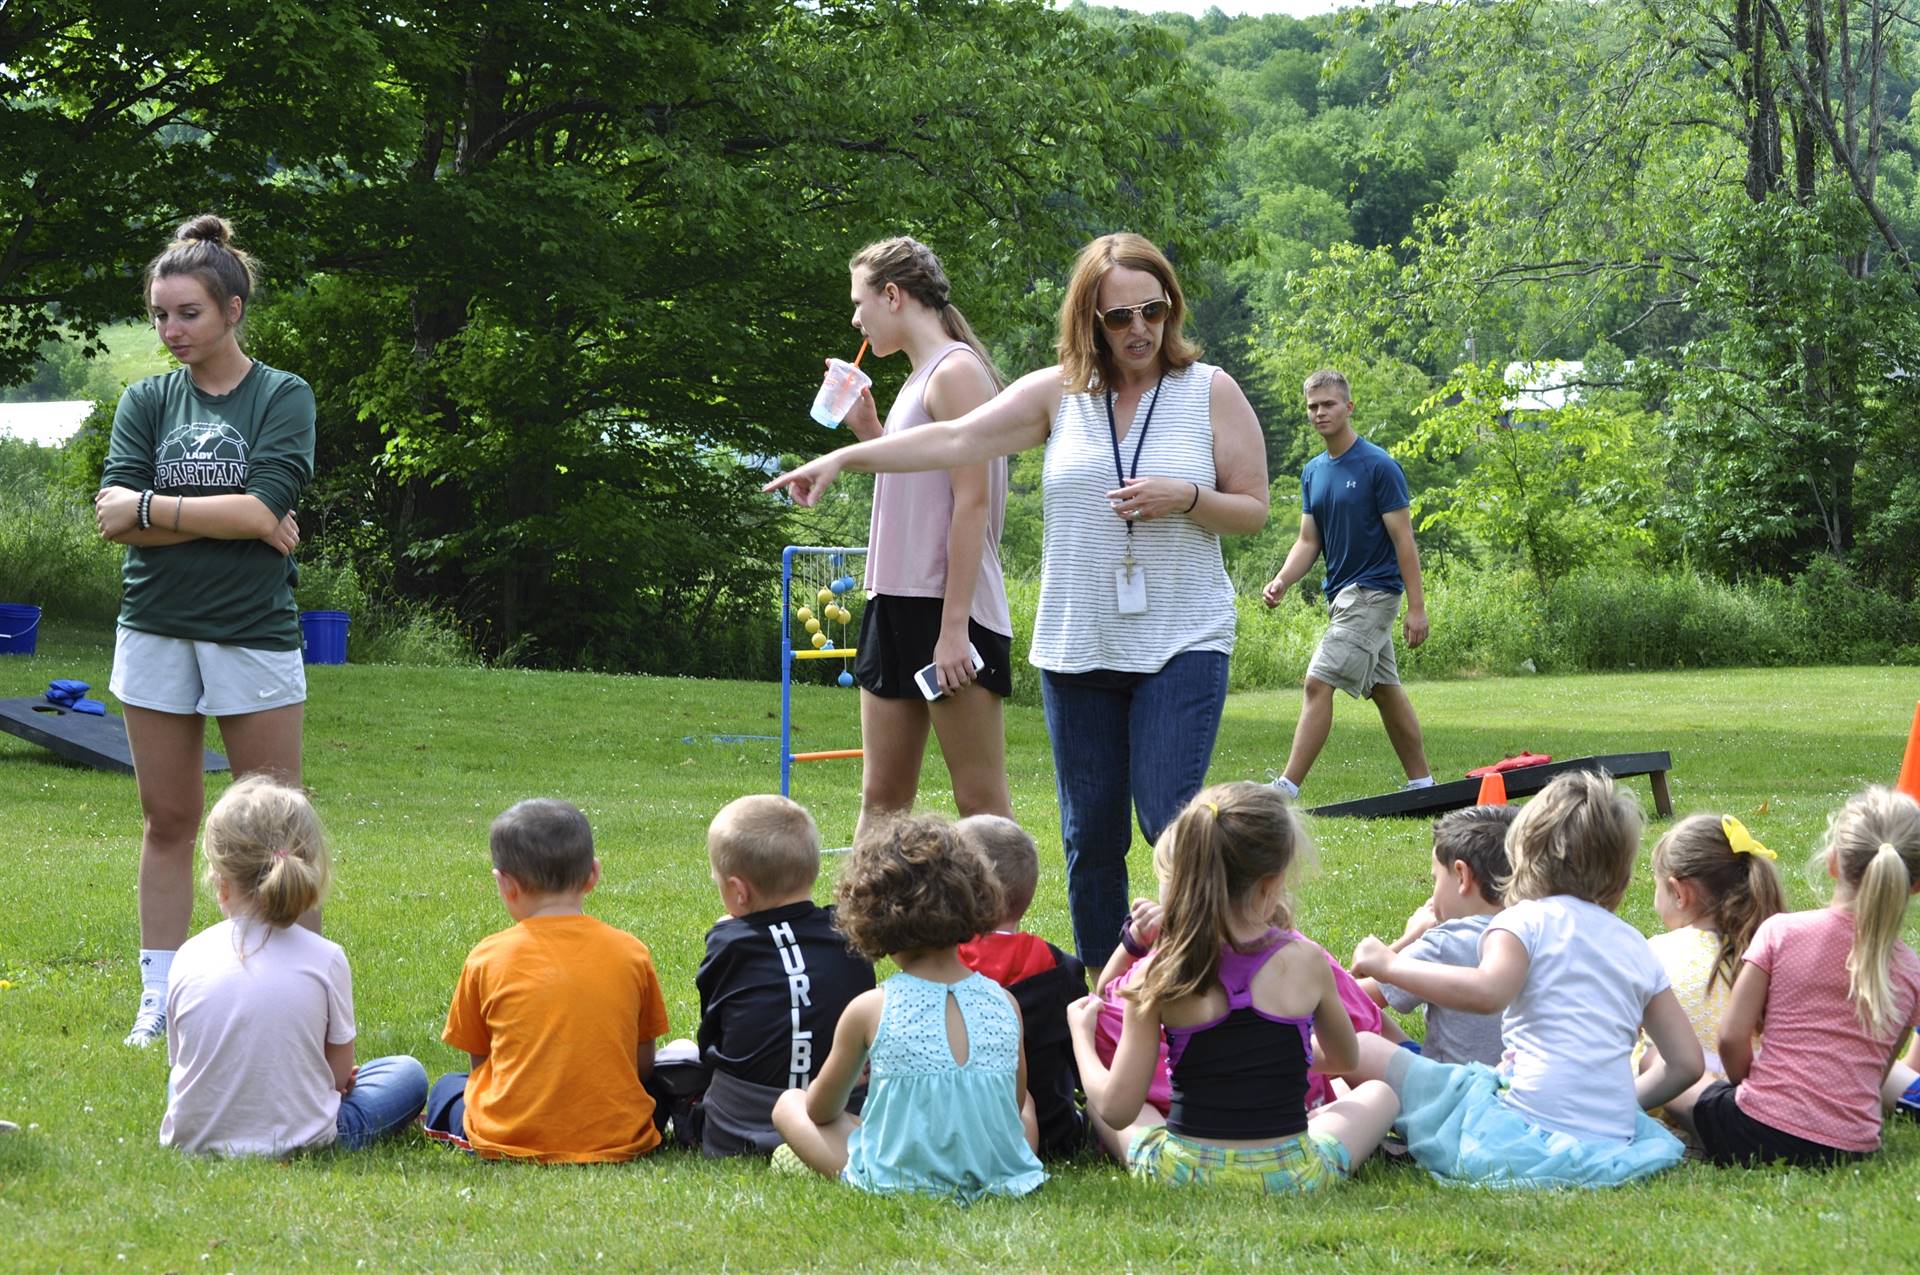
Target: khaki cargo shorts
<point>1356,652</point>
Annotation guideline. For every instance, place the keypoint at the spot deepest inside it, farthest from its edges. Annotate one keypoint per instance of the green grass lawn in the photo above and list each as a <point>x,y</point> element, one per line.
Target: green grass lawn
<point>408,766</point>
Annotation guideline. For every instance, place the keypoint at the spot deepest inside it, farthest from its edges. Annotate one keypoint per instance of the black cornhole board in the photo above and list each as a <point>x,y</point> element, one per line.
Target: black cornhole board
<point>1524,782</point>
<point>100,742</point>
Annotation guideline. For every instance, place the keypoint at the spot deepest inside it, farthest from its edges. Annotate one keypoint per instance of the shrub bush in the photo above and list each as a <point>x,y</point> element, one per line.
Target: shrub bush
<point>1494,621</point>
<point>385,630</point>
<point>51,554</point>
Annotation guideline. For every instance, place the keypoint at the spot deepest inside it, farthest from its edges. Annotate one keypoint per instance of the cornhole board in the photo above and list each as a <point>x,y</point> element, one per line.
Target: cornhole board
<point>100,742</point>
<point>1461,793</point>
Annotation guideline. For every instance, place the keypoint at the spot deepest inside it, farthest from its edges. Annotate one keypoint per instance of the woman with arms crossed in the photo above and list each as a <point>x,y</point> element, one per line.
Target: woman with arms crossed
<point>933,562</point>
<point>1151,456</point>
<point>202,473</point>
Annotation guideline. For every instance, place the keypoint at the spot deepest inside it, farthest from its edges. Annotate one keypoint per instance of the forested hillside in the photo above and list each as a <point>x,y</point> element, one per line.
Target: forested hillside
<point>562,286</point>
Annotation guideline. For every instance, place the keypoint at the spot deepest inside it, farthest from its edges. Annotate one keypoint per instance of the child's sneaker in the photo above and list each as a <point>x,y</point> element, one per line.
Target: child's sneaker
<point>1908,1104</point>
<point>785,1161</point>
<point>150,1024</point>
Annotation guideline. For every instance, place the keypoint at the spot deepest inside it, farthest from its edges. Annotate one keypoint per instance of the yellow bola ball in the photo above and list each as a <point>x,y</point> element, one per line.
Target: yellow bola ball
<point>826,596</point>
<point>813,626</point>
<point>819,640</point>
<point>841,615</point>
<point>804,614</point>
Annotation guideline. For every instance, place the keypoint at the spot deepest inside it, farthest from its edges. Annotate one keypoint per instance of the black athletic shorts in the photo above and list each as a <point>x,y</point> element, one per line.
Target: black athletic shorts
<point>897,637</point>
<point>1731,1136</point>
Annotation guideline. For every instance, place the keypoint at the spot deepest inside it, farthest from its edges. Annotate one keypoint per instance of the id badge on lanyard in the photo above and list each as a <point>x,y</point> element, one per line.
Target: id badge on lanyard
<point>1130,578</point>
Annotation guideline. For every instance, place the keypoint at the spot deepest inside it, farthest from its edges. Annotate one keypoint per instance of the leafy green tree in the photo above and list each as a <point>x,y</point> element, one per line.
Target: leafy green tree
<point>605,272</point>
<point>118,118</point>
<point>1560,490</point>
<point>1724,192</point>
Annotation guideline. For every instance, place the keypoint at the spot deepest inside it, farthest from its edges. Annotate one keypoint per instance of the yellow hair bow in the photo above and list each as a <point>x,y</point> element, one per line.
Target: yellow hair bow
<point>1215,807</point>
<point>1743,841</point>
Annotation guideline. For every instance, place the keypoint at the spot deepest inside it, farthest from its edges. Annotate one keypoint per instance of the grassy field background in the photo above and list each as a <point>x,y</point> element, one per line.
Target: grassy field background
<point>409,765</point>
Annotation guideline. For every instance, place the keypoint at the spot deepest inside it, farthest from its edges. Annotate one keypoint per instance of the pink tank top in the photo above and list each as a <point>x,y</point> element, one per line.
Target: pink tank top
<point>907,543</point>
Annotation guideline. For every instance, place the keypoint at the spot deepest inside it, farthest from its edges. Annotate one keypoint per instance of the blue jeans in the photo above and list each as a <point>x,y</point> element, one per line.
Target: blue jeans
<point>387,1094</point>
<point>1125,739</point>
<point>447,1109</point>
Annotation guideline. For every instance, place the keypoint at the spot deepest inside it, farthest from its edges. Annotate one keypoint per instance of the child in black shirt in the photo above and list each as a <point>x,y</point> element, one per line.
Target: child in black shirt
<point>776,976</point>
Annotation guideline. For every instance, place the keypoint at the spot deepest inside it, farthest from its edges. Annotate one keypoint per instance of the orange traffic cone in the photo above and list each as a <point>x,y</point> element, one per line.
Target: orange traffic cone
<point>1910,767</point>
<point>1493,790</point>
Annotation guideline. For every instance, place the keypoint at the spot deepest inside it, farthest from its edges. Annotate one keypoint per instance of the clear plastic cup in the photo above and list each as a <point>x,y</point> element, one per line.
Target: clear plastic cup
<point>839,391</point>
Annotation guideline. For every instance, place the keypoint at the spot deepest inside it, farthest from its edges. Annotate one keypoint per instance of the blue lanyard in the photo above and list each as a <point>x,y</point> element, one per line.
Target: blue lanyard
<point>1139,436</point>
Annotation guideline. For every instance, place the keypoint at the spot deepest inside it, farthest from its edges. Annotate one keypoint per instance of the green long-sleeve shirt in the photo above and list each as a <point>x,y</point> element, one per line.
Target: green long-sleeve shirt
<point>257,438</point>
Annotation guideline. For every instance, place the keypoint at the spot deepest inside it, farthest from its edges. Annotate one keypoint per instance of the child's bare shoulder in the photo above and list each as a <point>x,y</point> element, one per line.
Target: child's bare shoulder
<point>1300,958</point>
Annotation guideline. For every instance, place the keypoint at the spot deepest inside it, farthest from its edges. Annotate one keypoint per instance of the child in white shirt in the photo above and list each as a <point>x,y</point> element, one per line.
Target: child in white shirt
<point>260,1023</point>
<point>1575,985</point>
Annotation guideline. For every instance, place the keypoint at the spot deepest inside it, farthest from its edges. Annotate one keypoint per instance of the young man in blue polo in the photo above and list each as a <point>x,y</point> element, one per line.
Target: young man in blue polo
<point>1353,505</point>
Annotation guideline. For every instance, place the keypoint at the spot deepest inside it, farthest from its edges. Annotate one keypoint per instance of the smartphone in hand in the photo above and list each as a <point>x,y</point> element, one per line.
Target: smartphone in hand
<point>928,678</point>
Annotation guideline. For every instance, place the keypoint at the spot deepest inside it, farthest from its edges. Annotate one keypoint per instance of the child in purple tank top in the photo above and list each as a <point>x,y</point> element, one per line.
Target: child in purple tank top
<point>1242,1002</point>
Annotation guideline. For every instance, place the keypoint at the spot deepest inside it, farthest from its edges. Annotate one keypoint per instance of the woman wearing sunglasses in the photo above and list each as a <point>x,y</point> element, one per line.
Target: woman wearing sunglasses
<point>933,562</point>
<point>1151,456</point>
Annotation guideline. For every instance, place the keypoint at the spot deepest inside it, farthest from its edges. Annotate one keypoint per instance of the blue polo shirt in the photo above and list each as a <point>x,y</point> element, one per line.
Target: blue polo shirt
<point>1345,496</point>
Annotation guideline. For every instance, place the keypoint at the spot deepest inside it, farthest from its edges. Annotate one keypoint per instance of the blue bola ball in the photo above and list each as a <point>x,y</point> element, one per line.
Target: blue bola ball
<point>845,678</point>
<point>843,584</point>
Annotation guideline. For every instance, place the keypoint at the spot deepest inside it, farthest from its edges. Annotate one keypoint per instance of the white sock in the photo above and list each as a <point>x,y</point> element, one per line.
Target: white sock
<point>155,965</point>
<point>1288,787</point>
<point>1425,781</point>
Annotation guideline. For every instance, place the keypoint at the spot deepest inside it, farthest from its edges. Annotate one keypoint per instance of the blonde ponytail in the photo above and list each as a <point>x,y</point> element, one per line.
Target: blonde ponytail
<point>1194,895</point>
<point>1874,847</point>
<point>1211,859</point>
<point>1879,906</point>
<point>265,842</point>
<point>956,326</point>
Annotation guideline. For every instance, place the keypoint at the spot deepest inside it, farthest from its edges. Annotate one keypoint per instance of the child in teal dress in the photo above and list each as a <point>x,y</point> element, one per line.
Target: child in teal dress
<point>947,1112</point>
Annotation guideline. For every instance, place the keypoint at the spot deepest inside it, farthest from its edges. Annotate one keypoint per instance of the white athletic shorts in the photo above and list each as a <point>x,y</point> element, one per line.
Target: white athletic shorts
<point>174,675</point>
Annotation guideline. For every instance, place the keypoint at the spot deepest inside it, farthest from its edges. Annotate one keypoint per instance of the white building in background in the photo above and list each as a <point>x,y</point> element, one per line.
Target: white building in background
<point>1545,386</point>
<point>48,424</point>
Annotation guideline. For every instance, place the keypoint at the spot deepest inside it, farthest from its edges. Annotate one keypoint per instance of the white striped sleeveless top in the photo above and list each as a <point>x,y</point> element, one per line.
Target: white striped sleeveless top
<point>1079,627</point>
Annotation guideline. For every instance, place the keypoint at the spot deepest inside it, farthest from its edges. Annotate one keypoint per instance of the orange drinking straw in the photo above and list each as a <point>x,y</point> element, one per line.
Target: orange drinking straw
<point>861,355</point>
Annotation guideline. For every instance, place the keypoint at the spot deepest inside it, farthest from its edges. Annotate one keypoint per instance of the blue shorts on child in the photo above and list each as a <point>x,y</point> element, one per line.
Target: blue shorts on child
<point>1460,1129</point>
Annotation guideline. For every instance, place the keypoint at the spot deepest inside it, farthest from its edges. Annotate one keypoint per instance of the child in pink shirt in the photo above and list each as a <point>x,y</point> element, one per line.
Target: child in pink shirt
<point>1837,992</point>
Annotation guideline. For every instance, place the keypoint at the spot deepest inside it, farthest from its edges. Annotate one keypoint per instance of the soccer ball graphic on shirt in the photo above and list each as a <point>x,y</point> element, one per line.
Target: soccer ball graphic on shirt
<point>201,454</point>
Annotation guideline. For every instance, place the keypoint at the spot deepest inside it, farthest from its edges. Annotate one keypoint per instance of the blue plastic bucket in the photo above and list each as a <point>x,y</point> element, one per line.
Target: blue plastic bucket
<point>19,628</point>
<point>323,637</point>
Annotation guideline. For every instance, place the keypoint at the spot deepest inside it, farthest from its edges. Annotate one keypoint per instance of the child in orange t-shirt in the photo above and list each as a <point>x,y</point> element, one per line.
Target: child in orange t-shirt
<point>559,1013</point>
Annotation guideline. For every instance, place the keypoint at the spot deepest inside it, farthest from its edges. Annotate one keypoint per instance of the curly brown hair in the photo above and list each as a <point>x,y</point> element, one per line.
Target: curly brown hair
<point>913,883</point>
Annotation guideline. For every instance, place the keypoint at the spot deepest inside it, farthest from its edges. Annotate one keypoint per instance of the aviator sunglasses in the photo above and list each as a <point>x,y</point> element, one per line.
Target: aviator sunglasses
<point>1120,318</point>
